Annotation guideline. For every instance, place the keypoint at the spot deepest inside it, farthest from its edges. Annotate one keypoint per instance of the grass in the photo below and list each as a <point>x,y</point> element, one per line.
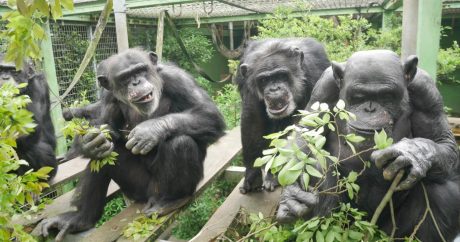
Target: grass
<point>195,216</point>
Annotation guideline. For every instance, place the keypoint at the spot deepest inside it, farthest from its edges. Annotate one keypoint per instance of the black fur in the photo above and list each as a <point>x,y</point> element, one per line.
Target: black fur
<point>300,62</point>
<point>38,147</point>
<point>179,130</point>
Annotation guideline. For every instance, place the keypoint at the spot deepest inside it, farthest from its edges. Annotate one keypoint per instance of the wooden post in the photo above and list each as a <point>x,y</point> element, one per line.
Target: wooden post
<point>409,28</point>
<point>429,34</point>
<point>119,9</point>
<point>160,34</point>
<point>49,68</point>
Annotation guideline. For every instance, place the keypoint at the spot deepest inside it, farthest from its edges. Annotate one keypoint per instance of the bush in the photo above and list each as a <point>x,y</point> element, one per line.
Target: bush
<point>449,64</point>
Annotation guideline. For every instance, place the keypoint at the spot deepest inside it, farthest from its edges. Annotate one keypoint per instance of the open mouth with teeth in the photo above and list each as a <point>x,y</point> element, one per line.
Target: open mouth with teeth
<point>277,110</point>
<point>144,99</point>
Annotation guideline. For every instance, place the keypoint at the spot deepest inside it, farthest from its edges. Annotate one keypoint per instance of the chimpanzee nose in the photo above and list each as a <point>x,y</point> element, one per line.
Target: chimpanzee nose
<point>274,88</point>
<point>370,108</point>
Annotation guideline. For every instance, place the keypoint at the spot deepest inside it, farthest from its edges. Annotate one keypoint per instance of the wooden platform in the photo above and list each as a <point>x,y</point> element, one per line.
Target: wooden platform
<point>218,158</point>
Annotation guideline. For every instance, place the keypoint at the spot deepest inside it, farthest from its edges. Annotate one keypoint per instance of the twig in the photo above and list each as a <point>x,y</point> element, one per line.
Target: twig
<point>431,213</point>
<point>387,197</point>
<point>256,232</point>
<point>393,221</point>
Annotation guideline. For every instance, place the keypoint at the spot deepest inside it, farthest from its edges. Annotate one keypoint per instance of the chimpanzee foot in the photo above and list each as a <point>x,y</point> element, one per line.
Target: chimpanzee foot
<point>162,207</point>
<point>270,182</point>
<point>252,181</point>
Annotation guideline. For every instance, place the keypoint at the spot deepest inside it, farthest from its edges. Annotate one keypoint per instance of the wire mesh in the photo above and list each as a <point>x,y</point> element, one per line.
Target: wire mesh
<point>142,36</point>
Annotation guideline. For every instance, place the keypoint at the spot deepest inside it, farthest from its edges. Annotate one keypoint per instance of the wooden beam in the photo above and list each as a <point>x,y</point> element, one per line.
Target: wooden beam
<point>409,28</point>
<point>160,35</point>
<point>429,34</point>
<point>263,202</point>
<point>119,9</point>
<point>49,68</point>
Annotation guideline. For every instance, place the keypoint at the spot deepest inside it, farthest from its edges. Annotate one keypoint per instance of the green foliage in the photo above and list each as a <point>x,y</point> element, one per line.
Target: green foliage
<point>82,127</point>
<point>228,101</point>
<point>198,45</point>
<point>346,224</point>
<point>192,219</point>
<point>23,29</point>
<point>341,38</point>
<point>112,208</point>
<point>15,190</point>
<point>142,227</point>
<point>449,64</point>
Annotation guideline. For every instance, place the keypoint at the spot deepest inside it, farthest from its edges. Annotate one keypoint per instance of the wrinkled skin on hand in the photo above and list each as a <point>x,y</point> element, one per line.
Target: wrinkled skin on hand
<point>145,136</point>
<point>96,146</point>
<point>295,203</point>
<point>416,153</point>
<point>65,223</point>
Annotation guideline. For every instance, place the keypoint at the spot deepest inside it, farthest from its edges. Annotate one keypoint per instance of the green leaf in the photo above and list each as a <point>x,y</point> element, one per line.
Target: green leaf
<point>319,236</point>
<point>315,106</point>
<point>298,166</point>
<point>312,171</point>
<point>42,6</point>
<point>331,127</point>
<point>279,160</point>
<point>330,236</point>
<point>67,4</point>
<point>320,141</point>
<point>269,151</point>
<point>306,179</point>
<point>349,190</point>
<point>352,147</point>
<point>355,235</point>
<point>261,161</point>
<point>352,176</point>
<point>381,140</point>
<point>286,176</point>
<point>354,138</point>
<point>308,122</point>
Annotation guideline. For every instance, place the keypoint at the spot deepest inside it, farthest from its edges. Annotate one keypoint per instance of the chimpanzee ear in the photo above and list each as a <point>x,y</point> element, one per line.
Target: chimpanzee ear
<point>104,82</point>
<point>410,68</point>
<point>153,57</point>
<point>244,69</point>
<point>338,69</point>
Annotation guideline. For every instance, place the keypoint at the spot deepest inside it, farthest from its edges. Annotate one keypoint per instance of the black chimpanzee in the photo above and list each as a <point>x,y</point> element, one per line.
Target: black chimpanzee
<point>164,122</point>
<point>275,79</point>
<point>404,101</point>
<point>38,147</point>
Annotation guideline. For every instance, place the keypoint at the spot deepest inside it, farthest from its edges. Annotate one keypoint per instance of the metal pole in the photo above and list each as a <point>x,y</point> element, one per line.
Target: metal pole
<point>119,9</point>
<point>230,30</point>
<point>409,28</point>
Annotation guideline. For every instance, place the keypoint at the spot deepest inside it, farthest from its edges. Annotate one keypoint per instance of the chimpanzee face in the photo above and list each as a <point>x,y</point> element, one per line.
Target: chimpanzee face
<point>133,79</point>
<point>275,80</point>
<point>9,74</point>
<point>373,85</point>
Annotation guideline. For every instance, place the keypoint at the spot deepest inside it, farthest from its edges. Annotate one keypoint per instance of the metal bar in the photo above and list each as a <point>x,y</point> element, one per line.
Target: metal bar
<point>429,34</point>
<point>409,28</point>
<point>241,7</point>
<point>49,68</point>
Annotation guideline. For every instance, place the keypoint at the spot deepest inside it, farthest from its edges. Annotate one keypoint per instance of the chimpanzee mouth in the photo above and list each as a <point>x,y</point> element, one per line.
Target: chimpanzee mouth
<point>363,130</point>
<point>145,98</point>
<point>278,111</point>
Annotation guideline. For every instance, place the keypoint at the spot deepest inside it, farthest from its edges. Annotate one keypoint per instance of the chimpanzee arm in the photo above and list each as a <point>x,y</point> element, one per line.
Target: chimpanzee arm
<point>192,113</point>
<point>430,125</point>
<point>432,151</point>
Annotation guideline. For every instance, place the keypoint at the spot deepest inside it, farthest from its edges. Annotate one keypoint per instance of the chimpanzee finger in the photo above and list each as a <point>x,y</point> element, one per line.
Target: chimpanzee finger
<point>62,233</point>
<point>410,181</point>
<point>296,208</point>
<point>105,149</point>
<point>89,136</point>
<point>131,134</point>
<point>283,215</point>
<point>131,142</point>
<point>392,169</point>
<point>307,198</point>
<point>382,157</point>
<point>147,148</point>
<point>95,142</point>
<point>137,148</point>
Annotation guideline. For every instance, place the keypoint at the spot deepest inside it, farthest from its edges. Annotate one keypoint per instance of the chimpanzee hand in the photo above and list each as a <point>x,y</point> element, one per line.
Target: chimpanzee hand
<point>418,153</point>
<point>295,203</point>
<point>96,146</point>
<point>145,136</point>
<point>66,223</point>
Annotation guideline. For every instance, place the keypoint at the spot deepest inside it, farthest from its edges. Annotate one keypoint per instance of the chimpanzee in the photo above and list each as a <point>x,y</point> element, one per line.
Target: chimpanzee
<point>165,122</point>
<point>275,78</point>
<point>403,100</point>
<point>37,148</point>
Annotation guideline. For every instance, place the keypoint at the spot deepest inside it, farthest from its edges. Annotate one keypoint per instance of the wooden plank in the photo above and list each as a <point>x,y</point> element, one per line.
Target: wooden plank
<point>219,156</point>
<point>455,126</point>
<point>58,206</point>
<point>69,170</point>
<point>264,202</point>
